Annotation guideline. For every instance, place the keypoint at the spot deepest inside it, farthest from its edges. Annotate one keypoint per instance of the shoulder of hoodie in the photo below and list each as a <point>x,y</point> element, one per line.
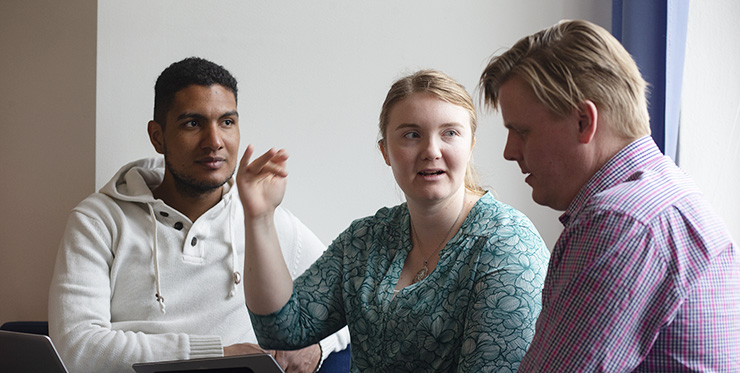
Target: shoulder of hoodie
<point>108,201</point>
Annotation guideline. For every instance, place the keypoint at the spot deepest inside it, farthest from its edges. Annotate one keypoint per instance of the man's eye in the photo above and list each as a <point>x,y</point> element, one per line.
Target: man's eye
<point>229,122</point>
<point>190,124</point>
<point>518,131</point>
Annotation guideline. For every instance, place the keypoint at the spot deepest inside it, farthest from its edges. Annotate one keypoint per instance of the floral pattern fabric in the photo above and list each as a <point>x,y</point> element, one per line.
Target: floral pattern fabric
<point>475,311</point>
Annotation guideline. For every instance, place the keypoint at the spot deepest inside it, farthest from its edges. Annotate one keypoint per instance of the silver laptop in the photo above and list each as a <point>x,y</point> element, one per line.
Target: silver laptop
<point>257,363</point>
<point>24,352</point>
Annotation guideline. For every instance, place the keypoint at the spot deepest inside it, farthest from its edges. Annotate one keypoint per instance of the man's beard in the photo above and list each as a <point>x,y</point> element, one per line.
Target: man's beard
<point>192,187</point>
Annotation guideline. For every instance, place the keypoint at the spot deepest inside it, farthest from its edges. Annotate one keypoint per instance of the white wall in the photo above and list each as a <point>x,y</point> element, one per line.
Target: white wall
<point>312,78</point>
<point>709,140</point>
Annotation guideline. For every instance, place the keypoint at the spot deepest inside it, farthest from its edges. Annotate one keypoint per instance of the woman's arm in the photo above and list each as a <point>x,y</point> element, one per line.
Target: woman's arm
<point>261,183</point>
<point>506,302</point>
<point>301,248</point>
<point>316,308</point>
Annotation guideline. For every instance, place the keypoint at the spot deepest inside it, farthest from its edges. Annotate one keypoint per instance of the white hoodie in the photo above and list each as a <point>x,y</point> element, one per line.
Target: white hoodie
<point>135,280</point>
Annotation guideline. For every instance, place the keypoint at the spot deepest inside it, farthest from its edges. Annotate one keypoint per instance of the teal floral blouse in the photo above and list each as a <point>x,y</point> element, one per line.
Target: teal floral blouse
<point>475,312</point>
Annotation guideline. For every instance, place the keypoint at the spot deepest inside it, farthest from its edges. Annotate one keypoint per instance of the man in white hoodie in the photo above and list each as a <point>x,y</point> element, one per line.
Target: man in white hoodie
<point>150,267</point>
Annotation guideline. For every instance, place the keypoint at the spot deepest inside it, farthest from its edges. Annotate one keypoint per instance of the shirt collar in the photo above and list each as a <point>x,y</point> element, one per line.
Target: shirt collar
<point>621,167</point>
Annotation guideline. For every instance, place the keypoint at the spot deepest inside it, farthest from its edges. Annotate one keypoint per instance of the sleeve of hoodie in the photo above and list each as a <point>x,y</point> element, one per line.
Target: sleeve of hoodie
<point>80,313</point>
<point>301,248</point>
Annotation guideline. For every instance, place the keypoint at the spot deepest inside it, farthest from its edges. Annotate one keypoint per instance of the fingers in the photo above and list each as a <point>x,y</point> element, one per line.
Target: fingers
<point>243,349</point>
<point>245,158</point>
<point>302,360</point>
<point>272,161</point>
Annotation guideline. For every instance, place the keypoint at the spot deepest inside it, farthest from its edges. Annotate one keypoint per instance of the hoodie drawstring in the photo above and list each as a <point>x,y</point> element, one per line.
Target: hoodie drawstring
<point>158,294</point>
<point>234,257</point>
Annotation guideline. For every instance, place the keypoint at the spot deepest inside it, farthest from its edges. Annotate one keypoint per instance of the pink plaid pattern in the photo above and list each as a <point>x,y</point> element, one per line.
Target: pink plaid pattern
<point>644,277</point>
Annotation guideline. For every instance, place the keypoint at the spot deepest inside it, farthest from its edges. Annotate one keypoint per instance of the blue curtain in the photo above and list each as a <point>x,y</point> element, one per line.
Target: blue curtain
<point>654,32</point>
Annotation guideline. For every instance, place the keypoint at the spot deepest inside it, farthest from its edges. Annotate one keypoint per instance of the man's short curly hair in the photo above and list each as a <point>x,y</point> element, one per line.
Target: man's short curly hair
<point>179,75</point>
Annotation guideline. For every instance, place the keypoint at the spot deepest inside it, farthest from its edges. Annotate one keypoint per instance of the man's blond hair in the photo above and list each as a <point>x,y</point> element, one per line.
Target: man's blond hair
<point>570,62</point>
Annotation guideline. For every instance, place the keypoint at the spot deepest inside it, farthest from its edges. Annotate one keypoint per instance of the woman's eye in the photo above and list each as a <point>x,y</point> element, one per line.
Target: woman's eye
<point>450,133</point>
<point>411,135</point>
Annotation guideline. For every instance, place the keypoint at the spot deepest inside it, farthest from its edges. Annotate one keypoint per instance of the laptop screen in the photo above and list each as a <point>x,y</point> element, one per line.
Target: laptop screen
<point>24,352</point>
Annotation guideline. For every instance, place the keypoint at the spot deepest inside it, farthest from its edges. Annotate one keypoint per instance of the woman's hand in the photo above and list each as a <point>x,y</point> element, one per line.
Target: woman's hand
<point>245,349</point>
<point>261,183</point>
<point>304,360</point>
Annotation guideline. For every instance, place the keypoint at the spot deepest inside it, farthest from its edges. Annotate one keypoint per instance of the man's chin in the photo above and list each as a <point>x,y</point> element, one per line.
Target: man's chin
<point>539,199</point>
<point>198,183</point>
<point>195,187</point>
<point>552,203</point>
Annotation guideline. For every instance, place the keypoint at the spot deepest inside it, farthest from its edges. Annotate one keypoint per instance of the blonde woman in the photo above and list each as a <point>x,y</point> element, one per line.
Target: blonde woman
<point>450,280</point>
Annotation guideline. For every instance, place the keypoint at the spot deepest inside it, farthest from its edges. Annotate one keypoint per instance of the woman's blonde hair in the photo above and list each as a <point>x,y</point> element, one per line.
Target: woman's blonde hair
<point>443,87</point>
<point>570,62</point>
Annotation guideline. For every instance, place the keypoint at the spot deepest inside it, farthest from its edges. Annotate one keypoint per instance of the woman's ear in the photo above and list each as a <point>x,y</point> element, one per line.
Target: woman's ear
<point>381,145</point>
<point>156,136</point>
<point>588,121</point>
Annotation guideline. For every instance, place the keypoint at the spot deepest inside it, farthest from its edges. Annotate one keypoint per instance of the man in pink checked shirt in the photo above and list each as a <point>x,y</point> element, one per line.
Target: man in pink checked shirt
<point>645,276</point>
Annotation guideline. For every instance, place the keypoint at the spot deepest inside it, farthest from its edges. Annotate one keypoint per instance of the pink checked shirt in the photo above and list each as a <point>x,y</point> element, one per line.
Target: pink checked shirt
<point>644,277</point>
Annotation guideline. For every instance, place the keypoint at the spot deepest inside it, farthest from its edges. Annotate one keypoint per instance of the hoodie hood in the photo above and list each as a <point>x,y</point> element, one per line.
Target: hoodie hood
<point>134,182</point>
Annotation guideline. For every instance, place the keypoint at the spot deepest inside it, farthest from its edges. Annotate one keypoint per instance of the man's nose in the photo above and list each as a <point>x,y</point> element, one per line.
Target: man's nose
<point>212,137</point>
<point>512,149</point>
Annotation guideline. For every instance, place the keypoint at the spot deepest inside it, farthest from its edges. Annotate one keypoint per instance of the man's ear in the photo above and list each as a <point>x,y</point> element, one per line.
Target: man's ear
<point>588,121</point>
<point>156,136</point>
<point>381,145</point>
